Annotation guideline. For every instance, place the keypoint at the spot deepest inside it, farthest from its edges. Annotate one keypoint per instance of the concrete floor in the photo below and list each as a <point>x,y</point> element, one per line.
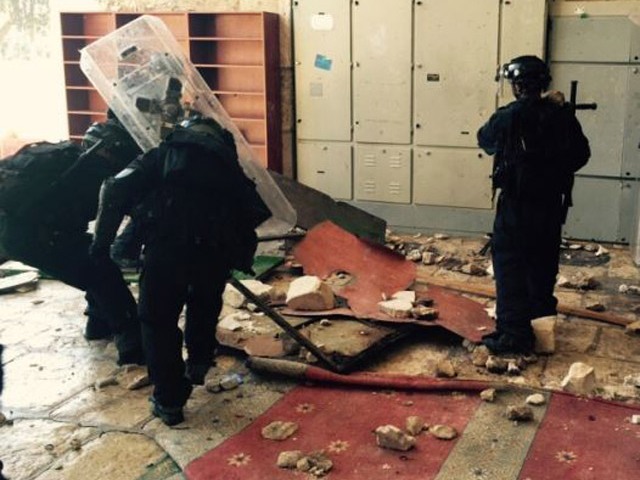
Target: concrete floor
<point>61,426</point>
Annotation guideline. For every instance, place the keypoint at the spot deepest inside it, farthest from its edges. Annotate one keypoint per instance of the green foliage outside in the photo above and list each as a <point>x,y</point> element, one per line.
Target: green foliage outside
<point>28,36</point>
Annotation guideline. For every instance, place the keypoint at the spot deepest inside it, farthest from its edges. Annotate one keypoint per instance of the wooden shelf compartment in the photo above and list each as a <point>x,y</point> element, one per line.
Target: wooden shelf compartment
<point>79,122</point>
<point>235,52</point>
<point>71,48</point>
<point>175,21</point>
<point>254,132</point>
<point>74,76</point>
<point>233,25</point>
<point>243,106</point>
<point>87,100</point>
<point>233,80</point>
<point>95,24</point>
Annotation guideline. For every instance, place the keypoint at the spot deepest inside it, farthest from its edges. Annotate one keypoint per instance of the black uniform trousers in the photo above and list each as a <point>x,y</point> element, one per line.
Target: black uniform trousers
<point>525,249</point>
<point>65,256</point>
<point>175,276</point>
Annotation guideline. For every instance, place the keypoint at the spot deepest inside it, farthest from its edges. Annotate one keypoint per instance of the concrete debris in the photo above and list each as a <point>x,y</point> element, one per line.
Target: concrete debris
<point>415,425</point>
<point>601,251</point>
<point>139,382</point>
<point>629,289</point>
<point>575,246</point>
<point>491,311</point>
<point>443,432</point>
<point>279,430</point>
<point>407,295</point>
<point>445,369</point>
<point>105,382</point>
<point>544,330</point>
<point>75,444</point>
<point>530,359</point>
<point>391,437</point>
<point>474,269</point>
<point>414,255</point>
<point>536,399</point>
<point>596,307</point>
<point>235,299</point>
<point>3,419</point>
<point>480,355</point>
<point>424,302</point>
<point>633,380</point>
<point>325,322</point>
<point>513,368</point>
<point>633,328</point>
<point>580,281</point>
<point>590,247</point>
<point>231,382</point>
<point>496,364</point>
<point>289,459</point>
<point>619,392</point>
<point>441,236</point>
<point>430,258</point>
<point>397,308</point>
<point>635,419</point>
<point>422,312</point>
<point>235,322</point>
<point>490,270</point>
<point>519,413</point>
<point>310,293</point>
<point>213,386</point>
<point>580,379</point>
<point>488,395</point>
<point>316,464</point>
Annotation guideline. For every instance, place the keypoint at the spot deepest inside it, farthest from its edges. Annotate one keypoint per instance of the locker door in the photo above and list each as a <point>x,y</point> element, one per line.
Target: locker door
<point>452,177</point>
<point>383,174</point>
<point>322,57</point>
<point>326,166</point>
<point>605,85</point>
<point>456,54</point>
<point>523,29</point>
<point>382,71</point>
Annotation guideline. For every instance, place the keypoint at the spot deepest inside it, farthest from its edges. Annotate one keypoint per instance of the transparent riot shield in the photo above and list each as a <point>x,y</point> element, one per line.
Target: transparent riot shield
<point>149,83</point>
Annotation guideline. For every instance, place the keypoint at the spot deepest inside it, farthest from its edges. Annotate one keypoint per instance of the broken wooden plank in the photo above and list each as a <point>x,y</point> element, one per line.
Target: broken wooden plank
<point>489,291</point>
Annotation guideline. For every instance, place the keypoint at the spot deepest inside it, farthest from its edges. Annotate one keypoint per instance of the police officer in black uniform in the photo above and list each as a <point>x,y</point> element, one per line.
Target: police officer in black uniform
<point>200,212</point>
<point>49,232</point>
<point>538,146</point>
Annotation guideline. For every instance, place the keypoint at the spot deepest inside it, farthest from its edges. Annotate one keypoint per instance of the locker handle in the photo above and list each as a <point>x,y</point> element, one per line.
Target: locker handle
<point>574,95</point>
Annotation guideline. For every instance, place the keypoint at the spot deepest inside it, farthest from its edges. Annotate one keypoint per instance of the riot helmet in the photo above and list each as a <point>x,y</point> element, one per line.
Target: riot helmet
<point>526,73</point>
<point>111,141</point>
<point>201,124</point>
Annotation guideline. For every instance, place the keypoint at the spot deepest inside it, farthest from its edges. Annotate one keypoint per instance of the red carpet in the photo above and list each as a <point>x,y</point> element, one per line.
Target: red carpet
<point>341,422</point>
<point>584,440</point>
<point>577,439</point>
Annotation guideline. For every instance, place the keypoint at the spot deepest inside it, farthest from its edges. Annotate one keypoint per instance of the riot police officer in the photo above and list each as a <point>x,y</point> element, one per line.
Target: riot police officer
<point>47,228</point>
<point>200,215</point>
<point>538,146</point>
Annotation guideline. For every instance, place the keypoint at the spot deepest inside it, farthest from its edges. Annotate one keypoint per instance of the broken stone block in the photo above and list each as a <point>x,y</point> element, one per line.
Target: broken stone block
<point>635,419</point>
<point>579,281</point>
<point>441,236</point>
<point>310,293</point>
<point>445,369</point>
<point>414,255</point>
<point>232,296</point>
<point>407,295</point>
<point>520,413</point>
<point>496,364</point>
<point>601,251</point>
<point>488,395</point>
<point>619,392</point>
<point>580,379</point>
<point>429,258</point>
<point>316,464</point>
<point>544,330</point>
<point>632,380</point>
<point>213,386</point>
<point>279,430</point>
<point>421,312</point>
<point>235,322</point>
<point>633,328</point>
<point>513,368</point>
<point>397,308</point>
<point>536,399</point>
<point>391,437</point>
<point>480,355</point>
<point>415,425</point>
<point>289,459</point>
<point>443,432</point>
<point>473,269</point>
<point>105,382</point>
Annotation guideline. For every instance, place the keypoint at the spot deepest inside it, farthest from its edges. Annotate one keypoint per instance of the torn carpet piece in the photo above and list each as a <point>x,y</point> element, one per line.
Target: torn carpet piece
<point>376,270</point>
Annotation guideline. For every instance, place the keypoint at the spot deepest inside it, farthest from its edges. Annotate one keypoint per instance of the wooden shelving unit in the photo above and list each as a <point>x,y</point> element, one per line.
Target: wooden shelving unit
<point>237,54</point>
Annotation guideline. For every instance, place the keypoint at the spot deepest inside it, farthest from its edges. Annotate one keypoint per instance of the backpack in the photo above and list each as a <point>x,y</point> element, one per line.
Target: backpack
<point>29,174</point>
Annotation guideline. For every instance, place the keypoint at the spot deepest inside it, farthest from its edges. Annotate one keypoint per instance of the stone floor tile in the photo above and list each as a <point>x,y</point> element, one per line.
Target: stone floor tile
<point>573,336</point>
<point>615,343</point>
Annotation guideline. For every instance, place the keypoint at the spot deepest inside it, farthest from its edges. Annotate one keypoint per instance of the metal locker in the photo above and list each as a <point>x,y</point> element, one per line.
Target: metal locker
<point>322,58</point>
<point>596,210</point>
<point>382,71</point>
<point>326,166</point>
<point>523,30</point>
<point>605,85</point>
<point>594,39</point>
<point>453,177</point>
<point>631,151</point>
<point>456,52</point>
<point>383,173</point>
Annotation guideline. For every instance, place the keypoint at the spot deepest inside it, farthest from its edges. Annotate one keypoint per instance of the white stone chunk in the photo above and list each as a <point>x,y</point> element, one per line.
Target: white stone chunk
<point>232,296</point>
<point>310,293</point>
<point>544,329</point>
<point>397,308</point>
<point>388,436</point>
<point>408,295</point>
<point>580,379</point>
